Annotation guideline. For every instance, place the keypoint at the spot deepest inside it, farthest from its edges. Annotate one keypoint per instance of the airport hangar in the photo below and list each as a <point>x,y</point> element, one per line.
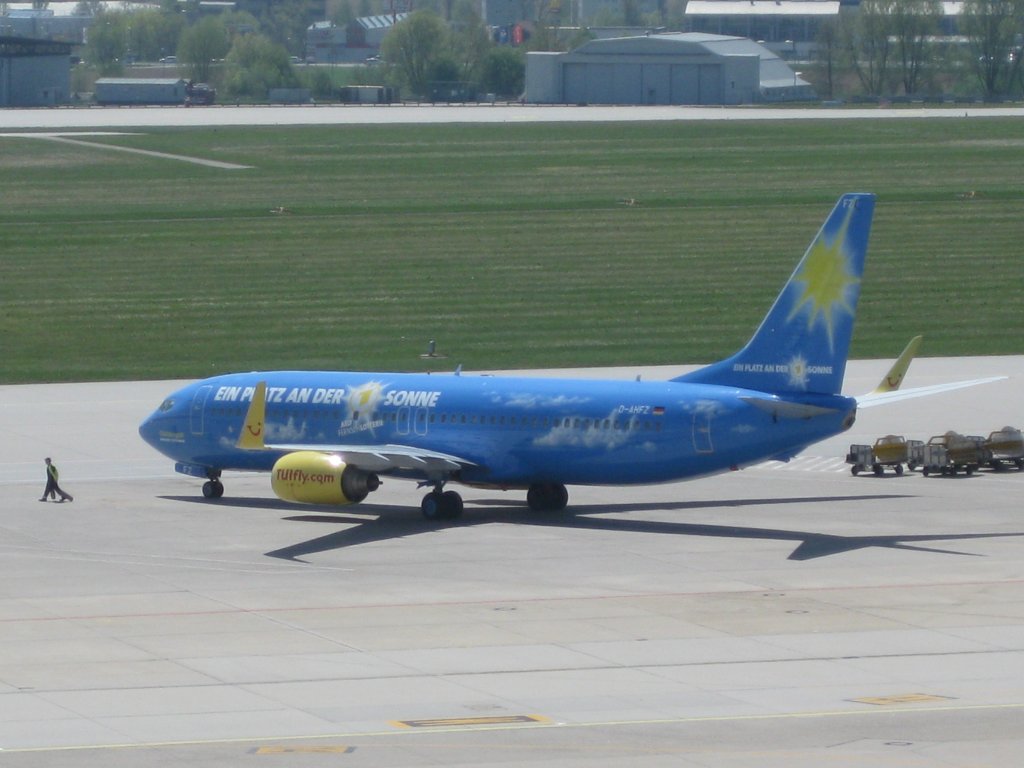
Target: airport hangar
<point>34,73</point>
<point>684,68</point>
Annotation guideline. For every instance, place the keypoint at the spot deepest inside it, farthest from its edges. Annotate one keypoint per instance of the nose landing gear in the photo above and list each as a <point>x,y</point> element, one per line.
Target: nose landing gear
<point>213,489</point>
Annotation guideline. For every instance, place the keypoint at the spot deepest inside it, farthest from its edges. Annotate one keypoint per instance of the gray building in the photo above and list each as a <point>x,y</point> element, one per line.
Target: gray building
<point>689,68</point>
<point>141,90</point>
<point>355,42</point>
<point>498,13</point>
<point>34,73</point>
<point>44,25</point>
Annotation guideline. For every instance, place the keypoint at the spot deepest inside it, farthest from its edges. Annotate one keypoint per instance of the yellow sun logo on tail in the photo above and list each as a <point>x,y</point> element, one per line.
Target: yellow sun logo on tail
<point>826,279</point>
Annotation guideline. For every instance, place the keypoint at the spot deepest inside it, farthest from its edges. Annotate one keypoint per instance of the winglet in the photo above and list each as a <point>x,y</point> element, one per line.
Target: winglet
<point>251,436</point>
<point>892,380</point>
<point>888,390</point>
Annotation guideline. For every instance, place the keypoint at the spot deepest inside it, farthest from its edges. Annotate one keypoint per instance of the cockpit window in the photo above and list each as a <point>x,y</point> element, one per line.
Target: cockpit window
<point>166,405</point>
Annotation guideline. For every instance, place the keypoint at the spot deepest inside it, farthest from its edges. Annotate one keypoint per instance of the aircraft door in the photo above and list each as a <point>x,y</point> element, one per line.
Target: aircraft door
<point>702,428</point>
<point>420,424</point>
<point>196,415</point>
<point>402,421</point>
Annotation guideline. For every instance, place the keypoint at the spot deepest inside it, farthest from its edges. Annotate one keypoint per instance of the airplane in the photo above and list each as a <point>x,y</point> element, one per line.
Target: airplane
<point>328,437</point>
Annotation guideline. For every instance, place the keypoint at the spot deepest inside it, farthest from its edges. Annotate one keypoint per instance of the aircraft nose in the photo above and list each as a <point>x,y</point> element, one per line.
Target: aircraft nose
<point>147,430</point>
<point>162,428</point>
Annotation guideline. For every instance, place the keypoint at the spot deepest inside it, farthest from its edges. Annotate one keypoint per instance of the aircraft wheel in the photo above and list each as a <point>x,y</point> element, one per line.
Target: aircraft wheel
<point>451,505</point>
<point>431,506</point>
<point>213,489</point>
<point>547,497</point>
<point>442,506</point>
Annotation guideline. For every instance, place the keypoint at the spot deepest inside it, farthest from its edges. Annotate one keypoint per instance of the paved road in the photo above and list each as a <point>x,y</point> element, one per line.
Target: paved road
<point>165,117</point>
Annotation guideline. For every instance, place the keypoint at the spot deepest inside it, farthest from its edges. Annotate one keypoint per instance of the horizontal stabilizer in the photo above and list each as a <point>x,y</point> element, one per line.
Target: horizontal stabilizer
<point>787,410</point>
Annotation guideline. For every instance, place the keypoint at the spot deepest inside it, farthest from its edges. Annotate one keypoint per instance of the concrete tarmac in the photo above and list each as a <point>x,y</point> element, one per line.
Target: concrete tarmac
<point>787,614</point>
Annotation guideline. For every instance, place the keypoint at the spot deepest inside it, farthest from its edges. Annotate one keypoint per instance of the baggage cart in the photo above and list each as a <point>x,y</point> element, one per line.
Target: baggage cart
<point>889,451</point>
<point>1006,447</point>
<point>951,453</point>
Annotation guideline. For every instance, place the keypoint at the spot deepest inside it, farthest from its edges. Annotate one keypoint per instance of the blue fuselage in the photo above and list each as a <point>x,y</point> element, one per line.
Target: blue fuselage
<point>509,431</point>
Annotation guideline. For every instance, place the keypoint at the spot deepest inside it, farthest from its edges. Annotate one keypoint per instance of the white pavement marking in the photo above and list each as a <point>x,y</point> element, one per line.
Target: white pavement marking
<point>148,152</point>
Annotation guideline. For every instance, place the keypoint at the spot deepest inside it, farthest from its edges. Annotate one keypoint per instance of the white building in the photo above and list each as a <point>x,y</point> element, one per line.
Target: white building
<point>687,68</point>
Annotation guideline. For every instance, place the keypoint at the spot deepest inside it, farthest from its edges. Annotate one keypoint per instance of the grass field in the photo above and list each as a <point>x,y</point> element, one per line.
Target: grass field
<point>351,247</point>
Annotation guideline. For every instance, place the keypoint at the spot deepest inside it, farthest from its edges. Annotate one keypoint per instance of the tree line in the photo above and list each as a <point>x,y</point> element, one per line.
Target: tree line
<point>245,55</point>
<point>881,48</point>
<point>908,48</point>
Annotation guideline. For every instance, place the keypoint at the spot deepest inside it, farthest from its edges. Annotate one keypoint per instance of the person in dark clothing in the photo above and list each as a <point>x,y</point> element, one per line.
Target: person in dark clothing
<point>52,488</point>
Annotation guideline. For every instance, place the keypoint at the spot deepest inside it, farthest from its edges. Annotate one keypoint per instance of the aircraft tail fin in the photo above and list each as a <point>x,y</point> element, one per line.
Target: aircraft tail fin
<point>803,341</point>
<point>251,437</point>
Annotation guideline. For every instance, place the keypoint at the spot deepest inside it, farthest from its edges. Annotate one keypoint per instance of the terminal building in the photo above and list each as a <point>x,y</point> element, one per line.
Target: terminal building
<point>685,68</point>
<point>788,26</point>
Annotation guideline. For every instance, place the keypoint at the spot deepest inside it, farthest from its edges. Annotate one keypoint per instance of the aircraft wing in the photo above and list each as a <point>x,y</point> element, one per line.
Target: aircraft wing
<point>372,458</point>
<point>888,390</point>
<point>384,458</point>
<point>883,398</point>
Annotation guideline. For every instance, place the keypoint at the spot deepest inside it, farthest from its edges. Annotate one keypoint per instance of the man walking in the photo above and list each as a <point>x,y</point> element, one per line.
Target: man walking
<point>52,488</point>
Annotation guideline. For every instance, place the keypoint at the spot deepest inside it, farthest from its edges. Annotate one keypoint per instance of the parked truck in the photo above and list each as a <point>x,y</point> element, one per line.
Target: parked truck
<point>126,91</point>
<point>199,94</point>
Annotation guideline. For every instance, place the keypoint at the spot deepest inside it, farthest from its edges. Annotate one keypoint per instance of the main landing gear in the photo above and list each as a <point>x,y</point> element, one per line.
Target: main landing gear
<point>447,505</point>
<point>441,505</point>
<point>547,497</point>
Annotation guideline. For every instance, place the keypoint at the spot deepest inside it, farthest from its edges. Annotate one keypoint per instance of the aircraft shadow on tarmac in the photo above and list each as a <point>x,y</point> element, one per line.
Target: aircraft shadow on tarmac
<point>380,523</point>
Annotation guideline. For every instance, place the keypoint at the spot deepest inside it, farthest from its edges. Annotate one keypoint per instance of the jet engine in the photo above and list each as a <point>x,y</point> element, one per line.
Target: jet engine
<point>311,477</point>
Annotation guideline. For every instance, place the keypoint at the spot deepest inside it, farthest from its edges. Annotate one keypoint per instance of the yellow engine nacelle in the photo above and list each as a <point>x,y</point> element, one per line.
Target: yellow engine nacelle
<point>311,477</point>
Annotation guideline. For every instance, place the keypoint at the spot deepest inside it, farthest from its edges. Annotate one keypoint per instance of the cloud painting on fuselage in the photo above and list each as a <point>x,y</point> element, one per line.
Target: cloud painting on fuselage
<point>326,437</point>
